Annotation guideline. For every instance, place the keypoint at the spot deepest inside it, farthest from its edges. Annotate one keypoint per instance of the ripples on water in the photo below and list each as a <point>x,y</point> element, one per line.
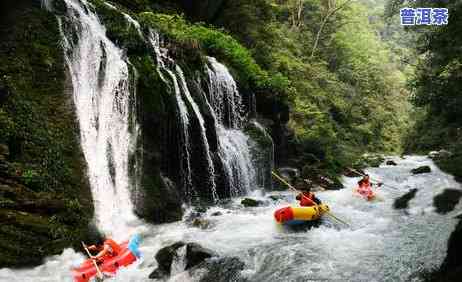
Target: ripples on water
<point>382,244</point>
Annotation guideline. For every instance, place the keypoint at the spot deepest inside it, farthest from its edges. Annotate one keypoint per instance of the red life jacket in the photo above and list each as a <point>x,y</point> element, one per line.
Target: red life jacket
<point>114,247</point>
<point>306,199</point>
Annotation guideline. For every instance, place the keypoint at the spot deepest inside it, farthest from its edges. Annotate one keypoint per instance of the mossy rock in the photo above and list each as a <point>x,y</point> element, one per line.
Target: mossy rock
<point>45,196</point>
<point>248,202</point>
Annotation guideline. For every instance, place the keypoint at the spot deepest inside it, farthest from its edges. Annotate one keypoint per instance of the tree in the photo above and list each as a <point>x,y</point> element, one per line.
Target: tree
<point>331,10</point>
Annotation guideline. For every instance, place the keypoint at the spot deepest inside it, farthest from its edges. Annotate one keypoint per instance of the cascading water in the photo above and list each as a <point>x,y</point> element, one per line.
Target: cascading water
<point>223,95</point>
<point>263,157</point>
<point>196,110</point>
<point>382,244</point>
<point>102,90</point>
<point>234,150</point>
<point>183,115</point>
<point>224,102</point>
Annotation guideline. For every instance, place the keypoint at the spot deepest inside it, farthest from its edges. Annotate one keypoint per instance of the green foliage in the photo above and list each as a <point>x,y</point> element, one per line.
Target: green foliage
<point>38,126</point>
<point>438,79</point>
<point>119,30</point>
<point>436,89</point>
<point>218,44</point>
<point>347,99</point>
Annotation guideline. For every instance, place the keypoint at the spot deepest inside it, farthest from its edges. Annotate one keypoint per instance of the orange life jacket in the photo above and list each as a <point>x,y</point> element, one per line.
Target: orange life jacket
<point>306,199</point>
<point>114,246</point>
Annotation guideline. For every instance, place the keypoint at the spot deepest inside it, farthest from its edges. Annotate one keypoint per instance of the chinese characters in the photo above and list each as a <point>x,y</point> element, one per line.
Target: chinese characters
<point>424,16</point>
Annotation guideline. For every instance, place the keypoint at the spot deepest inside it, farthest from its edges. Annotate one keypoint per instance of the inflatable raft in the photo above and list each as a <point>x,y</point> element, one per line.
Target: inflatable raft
<point>109,265</point>
<point>300,215</point>
<point>365,191</point>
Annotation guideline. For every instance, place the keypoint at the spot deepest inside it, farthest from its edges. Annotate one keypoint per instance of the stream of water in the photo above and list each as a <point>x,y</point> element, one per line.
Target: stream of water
<point>102,92</point>
<point>382,244</point>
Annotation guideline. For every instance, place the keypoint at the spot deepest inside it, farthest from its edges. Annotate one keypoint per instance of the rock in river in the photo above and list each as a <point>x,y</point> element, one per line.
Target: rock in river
<point>248,202</point>
<point>403,201</point>
<point>195,254</point>
<point>447,201</point>
<point>391,162</point>
<point>421,169</point>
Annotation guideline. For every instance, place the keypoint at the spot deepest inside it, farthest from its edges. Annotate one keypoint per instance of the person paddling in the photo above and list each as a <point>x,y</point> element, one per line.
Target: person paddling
<point>365,181</point>
<point>107,247</point>
<point>306,198</point>
<point>365,187</point>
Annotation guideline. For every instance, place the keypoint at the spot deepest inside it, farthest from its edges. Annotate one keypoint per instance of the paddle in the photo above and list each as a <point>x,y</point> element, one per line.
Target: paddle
<point>378,182</point>
<point>295,190</point>
<point>100,274</point>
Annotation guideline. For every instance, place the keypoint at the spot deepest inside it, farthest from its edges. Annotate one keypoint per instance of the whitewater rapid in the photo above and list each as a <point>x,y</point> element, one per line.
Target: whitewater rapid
<point>382,244</point>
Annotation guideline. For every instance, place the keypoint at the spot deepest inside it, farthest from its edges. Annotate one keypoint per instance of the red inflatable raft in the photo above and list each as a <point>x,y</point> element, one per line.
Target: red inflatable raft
<point>108,266</point>
<point>366,192</point>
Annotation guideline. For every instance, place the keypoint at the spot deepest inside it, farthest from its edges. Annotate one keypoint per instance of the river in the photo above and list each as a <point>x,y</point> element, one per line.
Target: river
<point>381,244</point>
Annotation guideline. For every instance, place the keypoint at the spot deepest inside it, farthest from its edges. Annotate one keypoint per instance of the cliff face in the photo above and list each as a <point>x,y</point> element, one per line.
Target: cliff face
<point>45,197</point>
<point>45,200</point>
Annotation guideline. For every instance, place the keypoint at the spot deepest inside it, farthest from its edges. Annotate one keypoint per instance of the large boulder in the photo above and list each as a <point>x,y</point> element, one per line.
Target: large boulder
<point>403,201</point>
<point>164,258</point>
<point>159,200</point>
<point>447,201</point>
<point>451,269</point>
<point>421,169</point>
<point>195,254</point>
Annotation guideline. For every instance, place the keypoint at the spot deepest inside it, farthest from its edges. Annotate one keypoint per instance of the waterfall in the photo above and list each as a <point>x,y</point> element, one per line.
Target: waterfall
<point>185,144</point>
<point>237,161</point>
<point>263,158</point>
<point>224,97</point>
<point>183,116</point>
<point>104,96</point>
<point>225,104</point>
<point>102,92</point>
<point>234,150</point>
<point>195,107</point>
<point>182,90</point>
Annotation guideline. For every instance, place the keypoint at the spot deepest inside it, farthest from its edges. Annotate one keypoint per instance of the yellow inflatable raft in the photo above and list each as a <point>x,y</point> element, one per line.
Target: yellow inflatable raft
<point>299,215</point>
